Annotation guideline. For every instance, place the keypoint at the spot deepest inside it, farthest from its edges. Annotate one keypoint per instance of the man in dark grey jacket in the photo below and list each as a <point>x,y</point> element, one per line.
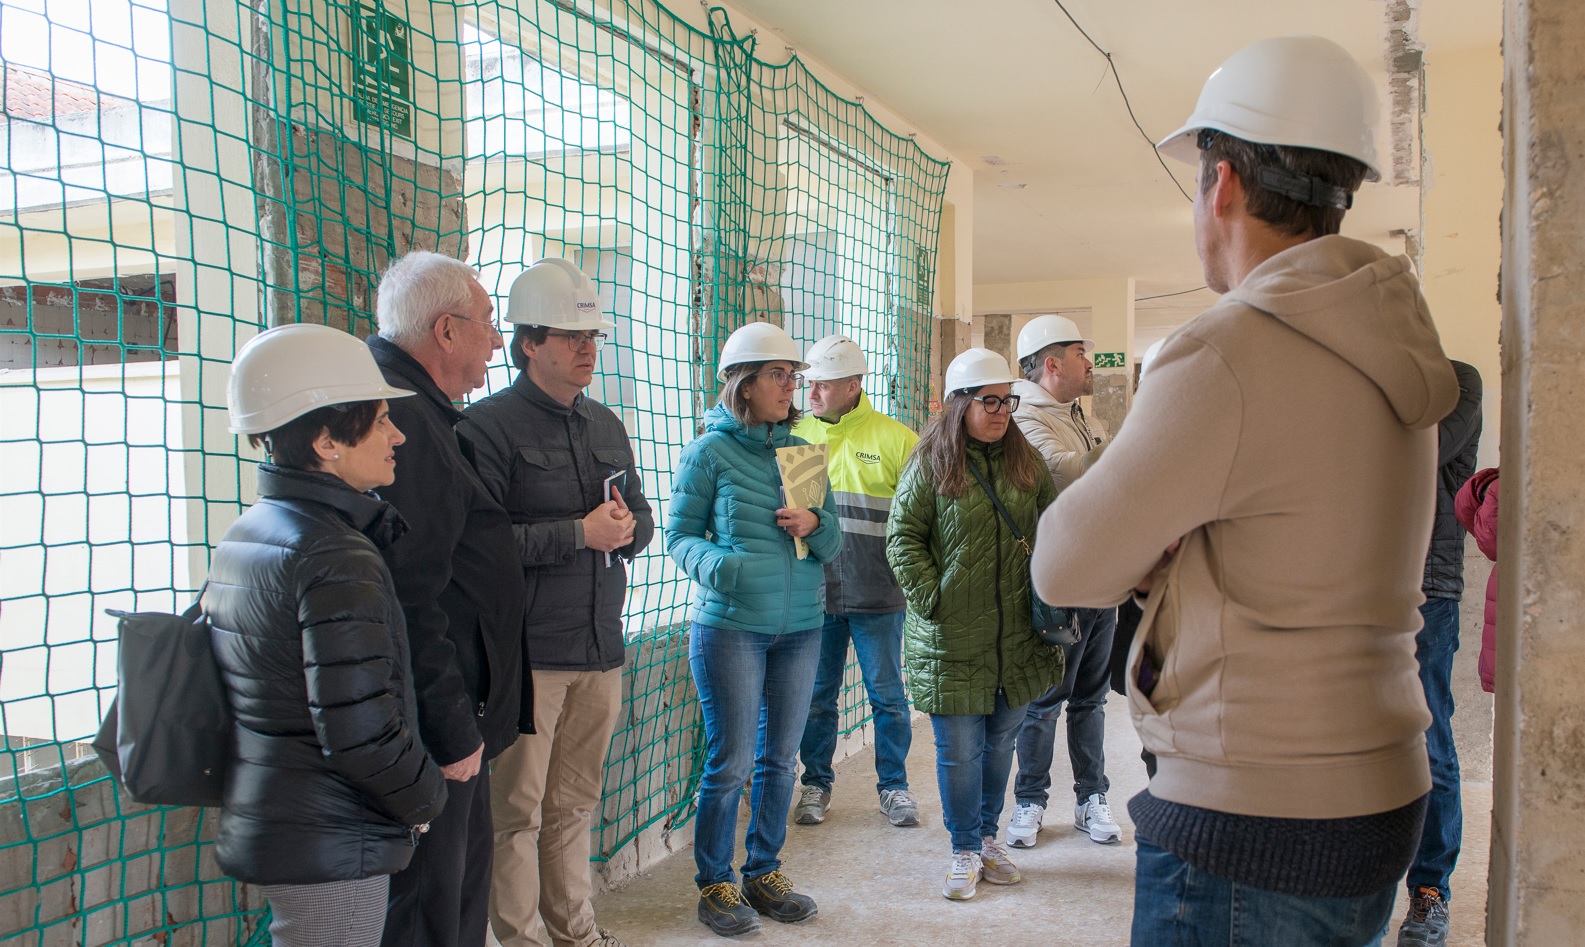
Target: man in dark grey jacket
<point>563,466</point>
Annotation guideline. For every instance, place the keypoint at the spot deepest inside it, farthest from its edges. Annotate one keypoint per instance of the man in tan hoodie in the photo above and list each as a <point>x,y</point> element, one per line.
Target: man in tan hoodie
<point>1270,497</point>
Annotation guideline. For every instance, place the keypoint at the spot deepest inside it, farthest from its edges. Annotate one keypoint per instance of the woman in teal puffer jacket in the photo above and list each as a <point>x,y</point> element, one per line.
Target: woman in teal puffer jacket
<point>755,638</point>
<point>973,660</point>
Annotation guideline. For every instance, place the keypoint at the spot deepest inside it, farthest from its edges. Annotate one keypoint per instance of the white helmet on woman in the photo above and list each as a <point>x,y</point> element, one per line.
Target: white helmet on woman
<point>834,357</point>
<point>285,372</point>
<point>1299,91</point>
<point>759,342</point>
<point>555,294</point>
<point>974,368</point>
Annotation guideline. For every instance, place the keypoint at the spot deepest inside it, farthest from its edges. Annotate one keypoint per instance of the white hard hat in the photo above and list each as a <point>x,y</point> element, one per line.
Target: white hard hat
<point>759,342</point>
<point>1150,356</point>
<point>1049,330</point>
<point>976,367</point>
<point>557,295</point>
<point>285,372</point>
<point>1300,91</point>
<point>833,357</point>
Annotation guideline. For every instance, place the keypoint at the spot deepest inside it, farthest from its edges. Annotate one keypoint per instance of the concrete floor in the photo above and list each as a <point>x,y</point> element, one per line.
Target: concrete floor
<point>880,885</point>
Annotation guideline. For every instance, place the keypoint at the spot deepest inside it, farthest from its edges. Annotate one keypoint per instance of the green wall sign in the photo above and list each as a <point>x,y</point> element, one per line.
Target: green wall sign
<point>382,89</point>
<point>1109,360</point>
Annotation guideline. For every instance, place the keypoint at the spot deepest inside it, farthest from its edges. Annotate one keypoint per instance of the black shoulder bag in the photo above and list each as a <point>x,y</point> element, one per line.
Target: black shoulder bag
<point>1058,627</point>
<point>167,736</point>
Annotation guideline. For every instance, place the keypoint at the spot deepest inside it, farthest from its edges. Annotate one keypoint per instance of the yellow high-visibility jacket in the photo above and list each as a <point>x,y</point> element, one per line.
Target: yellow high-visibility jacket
<point>867,453</point>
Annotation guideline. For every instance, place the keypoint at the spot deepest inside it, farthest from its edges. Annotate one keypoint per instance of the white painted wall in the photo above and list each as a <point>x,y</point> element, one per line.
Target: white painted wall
<point>91,517</point>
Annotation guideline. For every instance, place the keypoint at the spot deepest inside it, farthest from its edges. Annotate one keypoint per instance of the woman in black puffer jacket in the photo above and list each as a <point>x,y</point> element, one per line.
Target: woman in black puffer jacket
<point>329,786</point>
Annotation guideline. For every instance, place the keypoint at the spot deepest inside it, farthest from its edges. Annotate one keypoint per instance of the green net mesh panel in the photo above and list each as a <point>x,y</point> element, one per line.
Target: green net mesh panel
<point>179,174</point>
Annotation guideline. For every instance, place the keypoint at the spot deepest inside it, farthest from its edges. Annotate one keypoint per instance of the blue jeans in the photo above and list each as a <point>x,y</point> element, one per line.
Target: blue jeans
<point>1083,687</point>
<point>974,757</point>
<point>754,692</point>
<point>878,642</point>
<point>1435,646</point>
<point>1178,905</point>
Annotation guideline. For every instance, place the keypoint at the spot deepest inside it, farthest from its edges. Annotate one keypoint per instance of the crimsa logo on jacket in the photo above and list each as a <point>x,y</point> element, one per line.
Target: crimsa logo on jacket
<point>867,458</point>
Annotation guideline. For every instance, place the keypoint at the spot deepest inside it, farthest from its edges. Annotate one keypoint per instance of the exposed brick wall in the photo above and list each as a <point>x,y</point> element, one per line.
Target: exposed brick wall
<point>90,322</point>
<point>351,209</point>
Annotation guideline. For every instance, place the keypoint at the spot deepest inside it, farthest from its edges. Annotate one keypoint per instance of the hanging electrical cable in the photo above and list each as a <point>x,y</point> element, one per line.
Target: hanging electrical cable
<point>1126,103</point>
<point>1181,292</point>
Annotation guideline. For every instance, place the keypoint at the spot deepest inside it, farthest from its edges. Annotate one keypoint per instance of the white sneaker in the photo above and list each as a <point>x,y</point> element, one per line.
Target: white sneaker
<point>995,866</point>
<point>1094,816</point>
<point>1025,825</point>
<point>963,877</point>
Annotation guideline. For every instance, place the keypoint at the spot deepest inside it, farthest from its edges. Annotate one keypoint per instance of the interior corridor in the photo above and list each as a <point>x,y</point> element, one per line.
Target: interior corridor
<point>880,885</point>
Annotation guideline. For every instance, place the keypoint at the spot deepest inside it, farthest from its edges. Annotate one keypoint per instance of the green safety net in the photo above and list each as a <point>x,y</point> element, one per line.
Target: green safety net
<point>179,174</point>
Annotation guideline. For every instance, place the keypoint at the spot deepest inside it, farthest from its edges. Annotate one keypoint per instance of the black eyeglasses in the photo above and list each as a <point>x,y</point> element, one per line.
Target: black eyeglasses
<point>994,403</point>
<point>579,340</point>
<point>781,377</point>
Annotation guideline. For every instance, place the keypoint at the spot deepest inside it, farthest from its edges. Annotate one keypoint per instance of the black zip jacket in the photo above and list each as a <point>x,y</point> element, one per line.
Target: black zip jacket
<point>462,598</point>
<point>547,464</point>
<point>1458,439</point>
<point>328,775</point>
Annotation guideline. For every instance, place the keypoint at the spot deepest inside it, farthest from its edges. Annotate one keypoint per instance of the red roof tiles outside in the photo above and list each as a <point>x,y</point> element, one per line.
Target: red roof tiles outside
<point>32,95</point>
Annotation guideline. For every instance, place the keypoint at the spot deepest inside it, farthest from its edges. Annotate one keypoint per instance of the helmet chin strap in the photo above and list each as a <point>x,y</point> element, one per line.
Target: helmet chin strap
<point>1304,188</point>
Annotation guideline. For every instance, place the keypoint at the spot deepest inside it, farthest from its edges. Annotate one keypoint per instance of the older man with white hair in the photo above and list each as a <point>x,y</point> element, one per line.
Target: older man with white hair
<point>464,612</point>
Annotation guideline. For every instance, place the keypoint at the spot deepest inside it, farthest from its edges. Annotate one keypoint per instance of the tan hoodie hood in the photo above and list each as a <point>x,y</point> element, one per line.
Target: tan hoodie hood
<point>1334,291</point>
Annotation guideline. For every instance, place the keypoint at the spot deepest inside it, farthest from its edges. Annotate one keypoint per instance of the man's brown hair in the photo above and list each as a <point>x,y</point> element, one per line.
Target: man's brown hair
<point>535,335</point>
<point>1289,216</point>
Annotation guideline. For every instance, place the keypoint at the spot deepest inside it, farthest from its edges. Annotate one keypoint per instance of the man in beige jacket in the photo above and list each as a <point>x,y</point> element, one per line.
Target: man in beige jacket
<point>1054,358</point>
<point>1282,456</point>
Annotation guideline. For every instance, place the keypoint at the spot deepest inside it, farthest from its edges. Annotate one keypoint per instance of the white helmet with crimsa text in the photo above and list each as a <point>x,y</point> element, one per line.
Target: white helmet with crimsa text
<point>557,295</point>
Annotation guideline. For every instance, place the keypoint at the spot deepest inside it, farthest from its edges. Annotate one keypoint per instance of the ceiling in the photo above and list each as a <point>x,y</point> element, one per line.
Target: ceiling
<point>1065,186</point>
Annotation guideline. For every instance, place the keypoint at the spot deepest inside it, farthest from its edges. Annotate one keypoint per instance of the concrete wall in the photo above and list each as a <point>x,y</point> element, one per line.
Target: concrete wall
<point>339,198</point>
<point>106,869</point>
<point>1537,889</point>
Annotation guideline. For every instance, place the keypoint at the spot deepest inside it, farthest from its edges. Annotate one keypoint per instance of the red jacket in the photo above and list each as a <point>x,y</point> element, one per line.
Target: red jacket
<point>1476,508</point>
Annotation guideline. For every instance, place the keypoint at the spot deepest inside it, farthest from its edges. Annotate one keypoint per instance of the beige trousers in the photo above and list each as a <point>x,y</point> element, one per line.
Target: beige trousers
<point>543,791</point>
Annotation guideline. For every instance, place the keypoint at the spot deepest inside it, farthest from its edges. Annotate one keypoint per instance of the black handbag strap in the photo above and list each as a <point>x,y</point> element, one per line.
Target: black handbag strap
<point>1017,533</point>
<point>195,611</point>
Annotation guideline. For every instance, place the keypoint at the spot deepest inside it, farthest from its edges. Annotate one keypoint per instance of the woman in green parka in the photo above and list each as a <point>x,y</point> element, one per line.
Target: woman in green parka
<point>973,660</point>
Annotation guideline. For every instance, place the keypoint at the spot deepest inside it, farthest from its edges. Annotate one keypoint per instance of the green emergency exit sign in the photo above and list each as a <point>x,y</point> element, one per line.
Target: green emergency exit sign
<point>1109,360</point>
<point>382,87</point>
